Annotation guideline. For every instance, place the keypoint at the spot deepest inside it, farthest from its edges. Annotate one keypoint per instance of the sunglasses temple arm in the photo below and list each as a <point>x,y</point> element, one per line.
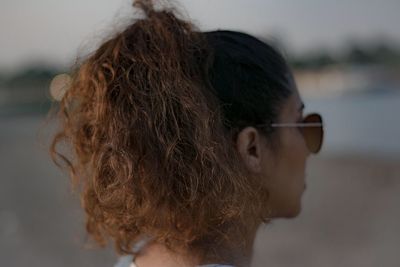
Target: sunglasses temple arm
<point>316,124</point>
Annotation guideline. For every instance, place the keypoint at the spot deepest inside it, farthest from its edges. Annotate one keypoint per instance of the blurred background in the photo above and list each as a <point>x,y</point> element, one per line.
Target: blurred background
<point>346,59</point>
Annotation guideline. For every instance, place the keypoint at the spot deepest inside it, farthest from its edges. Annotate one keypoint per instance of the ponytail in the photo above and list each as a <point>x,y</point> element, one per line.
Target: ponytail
<point>148,143</point>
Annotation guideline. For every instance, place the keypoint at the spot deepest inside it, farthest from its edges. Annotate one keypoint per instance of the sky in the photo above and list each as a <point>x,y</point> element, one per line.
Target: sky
<point>56,32</point>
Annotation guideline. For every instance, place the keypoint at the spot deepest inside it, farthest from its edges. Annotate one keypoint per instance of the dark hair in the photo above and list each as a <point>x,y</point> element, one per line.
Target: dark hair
<point>148,120</point>
<point>251,79</point>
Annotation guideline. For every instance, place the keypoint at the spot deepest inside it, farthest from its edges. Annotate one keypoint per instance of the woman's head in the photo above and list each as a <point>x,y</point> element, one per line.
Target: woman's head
<point>255,86</point>
<point>162,125</point>
<point>282,169</point>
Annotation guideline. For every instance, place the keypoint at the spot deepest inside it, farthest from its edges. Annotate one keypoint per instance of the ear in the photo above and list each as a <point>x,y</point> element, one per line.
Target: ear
<point>252,149</point>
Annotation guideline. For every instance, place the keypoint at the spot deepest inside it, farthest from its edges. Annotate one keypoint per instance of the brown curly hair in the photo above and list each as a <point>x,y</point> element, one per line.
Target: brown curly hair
<point>146,141</point>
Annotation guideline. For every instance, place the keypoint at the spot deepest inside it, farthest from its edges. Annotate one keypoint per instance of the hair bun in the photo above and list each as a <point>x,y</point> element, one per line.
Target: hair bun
<point>146,5</point>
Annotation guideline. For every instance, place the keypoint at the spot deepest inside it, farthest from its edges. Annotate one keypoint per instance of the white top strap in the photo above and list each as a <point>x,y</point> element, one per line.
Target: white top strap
<point>129,261</point>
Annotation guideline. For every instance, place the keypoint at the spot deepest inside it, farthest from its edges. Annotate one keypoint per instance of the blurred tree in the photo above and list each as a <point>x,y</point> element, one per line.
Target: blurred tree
<point>386,54</point>
<point>2,80</point>
<point>31,77</point>
<point>27,91</point>
<point>378,51</point>
<point>315,60</point>
<point>357,54</point>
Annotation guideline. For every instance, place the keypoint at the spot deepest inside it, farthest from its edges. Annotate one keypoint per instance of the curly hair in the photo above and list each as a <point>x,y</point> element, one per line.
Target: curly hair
<point>147,141</point>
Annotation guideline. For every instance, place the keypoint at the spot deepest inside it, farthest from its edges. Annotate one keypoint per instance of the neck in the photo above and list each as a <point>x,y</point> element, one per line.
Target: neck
<point>238,254</point>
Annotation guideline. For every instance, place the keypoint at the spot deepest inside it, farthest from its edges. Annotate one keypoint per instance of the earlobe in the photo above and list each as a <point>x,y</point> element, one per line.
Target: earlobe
<point>248,144</point>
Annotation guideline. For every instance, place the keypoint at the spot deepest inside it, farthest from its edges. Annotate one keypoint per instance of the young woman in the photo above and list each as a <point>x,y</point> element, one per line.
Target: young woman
<point>184,141</point>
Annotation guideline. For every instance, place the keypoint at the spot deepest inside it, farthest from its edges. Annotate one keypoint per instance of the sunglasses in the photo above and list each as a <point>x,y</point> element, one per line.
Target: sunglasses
<point>312,129</point>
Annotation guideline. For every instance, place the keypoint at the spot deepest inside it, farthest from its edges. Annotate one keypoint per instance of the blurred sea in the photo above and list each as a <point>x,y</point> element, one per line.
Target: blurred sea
<point>360,123</point>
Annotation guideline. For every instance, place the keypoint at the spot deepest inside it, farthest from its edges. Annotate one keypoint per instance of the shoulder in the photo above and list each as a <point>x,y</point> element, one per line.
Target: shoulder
<point>125,261</point>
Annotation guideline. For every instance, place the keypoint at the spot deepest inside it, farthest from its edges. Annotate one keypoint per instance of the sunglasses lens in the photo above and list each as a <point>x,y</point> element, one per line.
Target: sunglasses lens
<point>313,135</point>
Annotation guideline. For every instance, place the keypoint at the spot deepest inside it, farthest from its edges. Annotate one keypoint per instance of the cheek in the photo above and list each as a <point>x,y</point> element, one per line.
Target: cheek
<point>292,166</point>
<point>295,150</point>
<point>298,147</point>
<point>286,183</point>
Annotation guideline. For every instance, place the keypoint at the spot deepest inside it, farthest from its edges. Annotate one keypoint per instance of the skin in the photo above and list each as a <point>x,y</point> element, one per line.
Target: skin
<point>283,171</point>
<point>286,184</point>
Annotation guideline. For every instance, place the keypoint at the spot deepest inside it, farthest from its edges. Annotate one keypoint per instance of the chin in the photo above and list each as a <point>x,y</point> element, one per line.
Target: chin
<point>293,212</point>
<point>289,208</point>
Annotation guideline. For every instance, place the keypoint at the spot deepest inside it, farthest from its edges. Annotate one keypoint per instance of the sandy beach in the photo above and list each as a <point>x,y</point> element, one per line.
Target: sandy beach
<point>350,213</point>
